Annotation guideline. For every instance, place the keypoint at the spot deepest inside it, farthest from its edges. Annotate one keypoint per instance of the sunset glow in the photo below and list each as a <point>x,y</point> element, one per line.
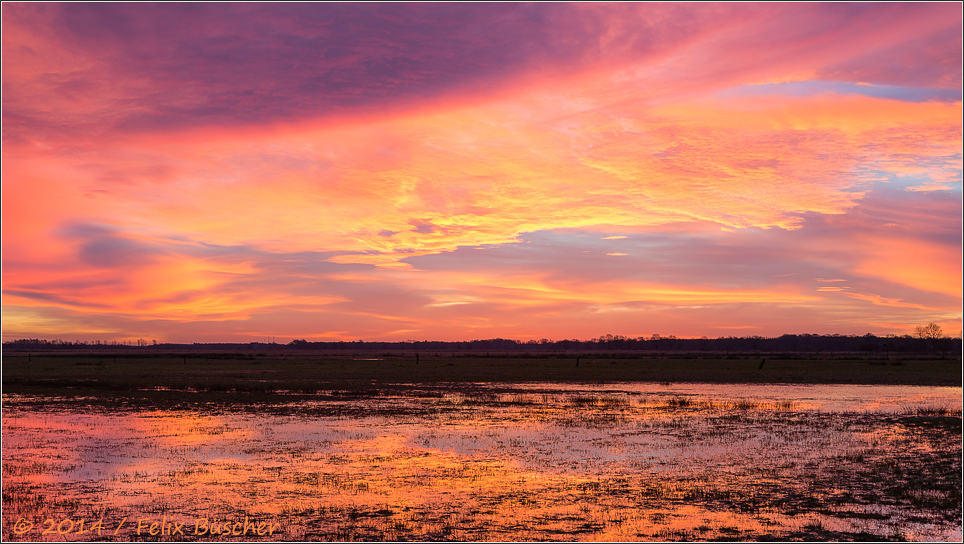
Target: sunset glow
<point>232,172</point>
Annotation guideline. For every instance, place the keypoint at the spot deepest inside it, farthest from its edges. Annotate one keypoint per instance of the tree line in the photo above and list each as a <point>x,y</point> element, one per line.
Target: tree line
<point>927,339</point>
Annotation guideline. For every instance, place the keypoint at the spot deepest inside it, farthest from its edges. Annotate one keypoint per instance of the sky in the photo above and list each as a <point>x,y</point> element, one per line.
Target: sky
<point>392,172</point>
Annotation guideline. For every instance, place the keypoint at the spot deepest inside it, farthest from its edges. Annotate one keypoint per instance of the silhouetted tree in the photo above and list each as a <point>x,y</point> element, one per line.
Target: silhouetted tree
<point>930,331</point>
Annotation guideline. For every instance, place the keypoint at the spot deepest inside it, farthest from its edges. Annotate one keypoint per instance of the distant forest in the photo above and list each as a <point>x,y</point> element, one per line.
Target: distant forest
<point>924,342</point>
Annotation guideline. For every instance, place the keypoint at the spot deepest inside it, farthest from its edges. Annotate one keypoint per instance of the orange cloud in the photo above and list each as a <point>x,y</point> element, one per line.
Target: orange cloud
<point>384,190</point>
<point>435,181</point>
<point>884,301</point>
<point>912,262</point>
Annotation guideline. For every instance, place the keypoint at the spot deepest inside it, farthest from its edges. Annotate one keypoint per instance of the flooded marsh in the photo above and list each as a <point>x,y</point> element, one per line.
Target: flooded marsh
<point>483,461</point>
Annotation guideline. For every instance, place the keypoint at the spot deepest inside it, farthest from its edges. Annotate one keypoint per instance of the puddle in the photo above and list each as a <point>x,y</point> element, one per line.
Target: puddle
<point>634,461</point>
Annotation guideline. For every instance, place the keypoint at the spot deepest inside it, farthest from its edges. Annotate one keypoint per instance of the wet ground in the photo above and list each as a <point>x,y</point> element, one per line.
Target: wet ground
<point>506,462</point>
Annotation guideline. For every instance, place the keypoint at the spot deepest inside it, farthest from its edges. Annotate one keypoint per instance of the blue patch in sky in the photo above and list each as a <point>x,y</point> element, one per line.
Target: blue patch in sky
<point>895,180</point>
<point>811,88</point>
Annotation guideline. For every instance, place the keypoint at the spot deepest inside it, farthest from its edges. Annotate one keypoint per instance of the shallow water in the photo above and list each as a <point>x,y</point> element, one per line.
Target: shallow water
<point>633,461</point>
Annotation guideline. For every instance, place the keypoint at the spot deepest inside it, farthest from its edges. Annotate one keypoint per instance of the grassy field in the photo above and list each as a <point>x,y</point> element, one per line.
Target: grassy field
<point>263,376</point>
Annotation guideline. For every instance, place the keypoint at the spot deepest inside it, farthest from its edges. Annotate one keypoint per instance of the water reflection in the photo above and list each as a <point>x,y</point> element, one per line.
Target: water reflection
<point>525,462</point>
